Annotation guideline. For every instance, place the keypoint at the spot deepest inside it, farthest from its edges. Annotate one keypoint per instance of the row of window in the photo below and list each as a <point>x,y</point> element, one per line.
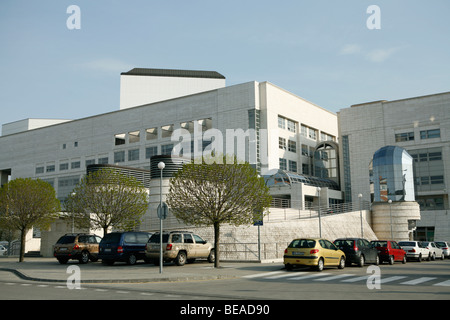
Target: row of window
<point>290,125</point>
<point>428,180</point>
<point>164,131</point>
<point>424,134</point>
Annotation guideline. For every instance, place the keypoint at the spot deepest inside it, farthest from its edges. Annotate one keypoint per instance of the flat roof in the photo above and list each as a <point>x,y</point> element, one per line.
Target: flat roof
<point>173,73</point>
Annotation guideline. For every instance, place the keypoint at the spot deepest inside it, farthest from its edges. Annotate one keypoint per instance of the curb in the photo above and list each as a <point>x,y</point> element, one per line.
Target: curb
<point>148,280</point>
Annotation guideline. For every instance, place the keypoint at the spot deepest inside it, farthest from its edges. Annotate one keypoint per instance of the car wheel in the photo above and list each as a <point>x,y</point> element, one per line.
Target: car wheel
<point>180,260</point>
<point>419,259</point>
<point>212,256</point>
<point>131,259</point>
<point>442,257</point>
<point>84,257</point>
<point>377,260</point>
<point>391,260</point>
<point>320,265</point>
<point>404,259</point>
<point>342,263</point>
<point>361,261</point>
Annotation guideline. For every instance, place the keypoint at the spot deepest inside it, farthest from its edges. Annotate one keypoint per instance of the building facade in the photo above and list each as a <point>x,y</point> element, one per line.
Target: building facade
<point>419,125</point>
<point>286,130</point>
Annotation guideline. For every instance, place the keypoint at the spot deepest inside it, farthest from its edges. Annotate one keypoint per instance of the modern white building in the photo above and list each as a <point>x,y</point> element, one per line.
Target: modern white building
<point>419,125</point>
<point>154,104</point>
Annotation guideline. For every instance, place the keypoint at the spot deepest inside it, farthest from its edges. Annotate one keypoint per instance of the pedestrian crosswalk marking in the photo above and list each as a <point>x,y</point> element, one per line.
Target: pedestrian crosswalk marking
<point>417,281</point>
<point>443,284</point>
<point>344,278</point>
<point>262,274</point>
<point>345,275</point>
<point>309,276</point>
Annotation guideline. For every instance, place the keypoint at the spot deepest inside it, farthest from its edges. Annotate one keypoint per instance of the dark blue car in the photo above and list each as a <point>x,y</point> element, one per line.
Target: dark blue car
<point>123,246</point>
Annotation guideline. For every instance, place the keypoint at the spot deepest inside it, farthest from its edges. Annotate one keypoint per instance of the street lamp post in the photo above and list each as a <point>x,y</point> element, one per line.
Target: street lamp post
<point>360,215</point>
<point>161,167</point>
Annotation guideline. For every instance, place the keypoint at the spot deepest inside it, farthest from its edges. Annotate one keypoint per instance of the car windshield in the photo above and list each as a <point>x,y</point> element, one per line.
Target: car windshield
<point>155,238</point>
<point>344,243</point>
<point>407,243</point>
<point>66,239</point>
<point>382,244</point>
<point>440,244</point>
<point>302,243</point>
<point>111,238</point>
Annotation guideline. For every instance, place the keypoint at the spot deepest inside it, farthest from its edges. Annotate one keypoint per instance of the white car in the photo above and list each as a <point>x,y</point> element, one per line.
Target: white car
<point>434,249</point>
<point>415,250</point>
<point>445,246</point>
<point>3,250</point>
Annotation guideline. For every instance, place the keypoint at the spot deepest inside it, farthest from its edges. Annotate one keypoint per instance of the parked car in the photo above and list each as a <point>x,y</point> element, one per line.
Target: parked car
<point>415,250</point>
<point>389,251</point>
<point>78,246</point>
<point>3,250</point>
<point>318,253</point>
<point>357,250</point>
<point>123,246</point>
<point>445,246</point>
<point>180,247</point>
<point>434,249</point>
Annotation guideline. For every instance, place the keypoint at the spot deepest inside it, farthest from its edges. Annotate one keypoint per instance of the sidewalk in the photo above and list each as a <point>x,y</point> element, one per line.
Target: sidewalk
<point>49,270</point>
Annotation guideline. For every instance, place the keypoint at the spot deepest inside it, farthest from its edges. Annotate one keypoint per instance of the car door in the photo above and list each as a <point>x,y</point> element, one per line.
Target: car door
<point>369,252</point>
<point>201,247</point>
<point>189,245</point>
<point>331,255</point>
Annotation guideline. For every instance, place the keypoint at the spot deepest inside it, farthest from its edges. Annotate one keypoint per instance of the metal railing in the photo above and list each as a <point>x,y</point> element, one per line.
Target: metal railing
<point>292,209</point>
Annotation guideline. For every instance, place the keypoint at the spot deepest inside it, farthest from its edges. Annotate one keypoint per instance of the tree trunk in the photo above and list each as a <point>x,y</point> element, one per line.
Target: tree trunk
<point>216,244</point>
<point>23,234</point>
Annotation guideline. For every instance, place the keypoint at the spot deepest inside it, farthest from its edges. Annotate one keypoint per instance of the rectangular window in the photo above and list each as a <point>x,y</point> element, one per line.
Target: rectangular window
<point>166,149</point>
<point>63,166</point>
<point>407,136</point>
<point>291,126</point>
<point>150,152</point>
<point>305,150</point>
<point>119,139</point>
<point>437,179</point>
<point>282,143</point>
<point>39,170</point>
<point>90,162</point>
<point>292,146</point>
<point>133,155</point>
<point>283,164</point>
<point>430,134</point>
<point>281,123</point>
<point>312,133</point>
<point>304,130</point>
<point>50,168</point>
<point>134,136</point>
<point>75,165</point>
<point>205,124</point>
<point>292,166</point>
<point>151,134</point>
<point>305,168</point>
<point>166,131</point>
<point>119,156</point>
<point>103,160</point>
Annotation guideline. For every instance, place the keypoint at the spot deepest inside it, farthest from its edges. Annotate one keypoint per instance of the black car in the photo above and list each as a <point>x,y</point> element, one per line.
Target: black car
<point>123,246</point>
<point>358,251</point>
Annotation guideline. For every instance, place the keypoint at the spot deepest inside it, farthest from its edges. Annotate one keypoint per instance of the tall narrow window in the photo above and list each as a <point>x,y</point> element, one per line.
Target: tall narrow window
<point>119,139</point>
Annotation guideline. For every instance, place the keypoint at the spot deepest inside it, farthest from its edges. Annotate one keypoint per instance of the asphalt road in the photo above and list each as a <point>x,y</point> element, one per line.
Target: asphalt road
<point>416,281</point>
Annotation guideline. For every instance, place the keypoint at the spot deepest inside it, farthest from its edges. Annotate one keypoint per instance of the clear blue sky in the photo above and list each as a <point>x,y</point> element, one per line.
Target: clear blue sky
<point>319,50</point>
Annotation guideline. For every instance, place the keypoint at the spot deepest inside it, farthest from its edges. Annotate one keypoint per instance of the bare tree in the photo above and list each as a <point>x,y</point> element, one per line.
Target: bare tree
<point>215,194</point>
<point>27,203</point>
<point>107,198</point>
